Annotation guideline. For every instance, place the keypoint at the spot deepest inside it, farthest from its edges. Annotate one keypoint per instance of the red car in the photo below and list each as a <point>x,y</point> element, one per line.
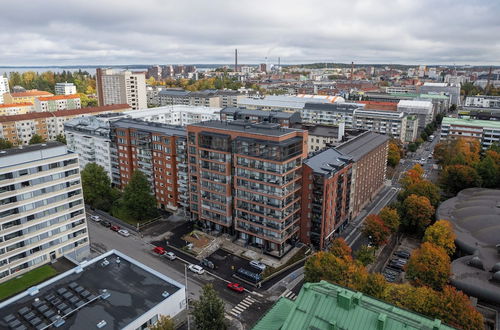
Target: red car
<point>114,228</point>
<point>159,250</point>
<point>235,287</point>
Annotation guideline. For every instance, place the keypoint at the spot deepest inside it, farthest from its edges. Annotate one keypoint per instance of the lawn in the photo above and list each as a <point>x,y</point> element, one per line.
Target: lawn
<point>25,281</point>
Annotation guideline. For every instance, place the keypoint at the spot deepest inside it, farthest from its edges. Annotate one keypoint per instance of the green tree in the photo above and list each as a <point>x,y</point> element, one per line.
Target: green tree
<point>489,172</point>
<point>457,177</point>
<point>365,255</point>
<point>441,234</point>
<point>417,213</point>
<point>412,147</point>
<point>429,265</point>
<point>61,138</point>
<point>163,323</point>
<point>96,185</point>
<point>208,312</point>
<point>390,217</point>
<point>86,101</point>
<point>36,139</point>
<point>375,229</point>
<point>138,200</point>
<point>5,144</point>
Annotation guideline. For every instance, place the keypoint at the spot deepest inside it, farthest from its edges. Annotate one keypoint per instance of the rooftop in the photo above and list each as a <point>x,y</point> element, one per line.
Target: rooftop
<point>150,127</point>
<point>16,105</point>
<point>361,145</point>
<point>59,97</point>
<point>111,287</point>
<point>415,104</point>
<point>171,108</point>
<point>337,107</point>
<point>475,216</point>
<point>325,306</point>
<point>327,162</point>
<point>258,113</point>
<point>266,129</point>
<point>31,153</point>
<point>63,113</point>
<point>469,122</point>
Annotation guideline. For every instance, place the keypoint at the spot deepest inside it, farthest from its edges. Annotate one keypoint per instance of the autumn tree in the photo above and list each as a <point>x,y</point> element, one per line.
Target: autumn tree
<point>163,323</point>
<point>453,307</point>
<point>376,230</point>
<point>412,176</point>
<point>457,177</point>
<point>365,255</point>
<point>390,217</point>
<point>429,265</point>
<point>326,266</point>
<point>417,213</point>
<point>423,188</point>
<point>208,311</point>
<point>442,235</point>
<point>393,154</point>
<point>375,285</point>
<point>340,248</point>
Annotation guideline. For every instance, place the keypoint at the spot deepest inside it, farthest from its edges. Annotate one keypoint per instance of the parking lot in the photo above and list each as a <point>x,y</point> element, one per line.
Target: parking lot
<point>393,270</point>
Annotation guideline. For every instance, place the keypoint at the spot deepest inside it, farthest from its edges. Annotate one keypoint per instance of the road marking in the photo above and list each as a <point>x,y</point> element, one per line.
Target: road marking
<point>239,308</point>
<point>290,295</point>
<point>242,306</point>
<point>257,294</point>
<point>235,314</point>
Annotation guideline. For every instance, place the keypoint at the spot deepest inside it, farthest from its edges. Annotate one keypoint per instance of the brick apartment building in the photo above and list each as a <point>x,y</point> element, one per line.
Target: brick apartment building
<point>368,151</point>
<point>337,183</point>
<point>157,150</point>
<point>326,189</point>
<point>245,179</point>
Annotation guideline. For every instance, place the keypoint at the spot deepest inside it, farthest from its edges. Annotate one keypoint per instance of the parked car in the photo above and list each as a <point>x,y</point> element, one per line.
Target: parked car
<point>124,232</point>
<point>159,250</point>
<point>105,223</point>
<point>115,228</point>
<point>236,287</point>
<point>402,254</point>
<point>95,218</point>
<point>249,275</point>
<point>196,269</point>
<point>207,263</point>
<point>258,265</point>
<point>170,255</point>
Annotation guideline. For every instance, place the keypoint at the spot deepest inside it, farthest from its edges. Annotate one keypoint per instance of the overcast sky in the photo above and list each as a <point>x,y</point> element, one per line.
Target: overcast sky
<point>54,32</point>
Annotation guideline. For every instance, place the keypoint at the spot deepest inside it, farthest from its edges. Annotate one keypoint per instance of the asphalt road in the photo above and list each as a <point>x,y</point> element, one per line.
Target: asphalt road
<point>248,312</point>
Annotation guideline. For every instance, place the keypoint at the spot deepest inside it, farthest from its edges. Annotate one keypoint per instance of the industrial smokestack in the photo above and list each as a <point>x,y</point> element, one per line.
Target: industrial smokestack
<point>236,60</point>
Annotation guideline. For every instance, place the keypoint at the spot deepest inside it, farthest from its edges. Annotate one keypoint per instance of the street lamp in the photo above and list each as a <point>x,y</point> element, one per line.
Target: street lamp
<point>187,295</point>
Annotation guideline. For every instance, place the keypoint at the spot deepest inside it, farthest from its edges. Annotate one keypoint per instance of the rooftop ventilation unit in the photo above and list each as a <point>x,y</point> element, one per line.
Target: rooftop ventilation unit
<point>105,294</point>
<point>165,294</point>
<point>101,324</point>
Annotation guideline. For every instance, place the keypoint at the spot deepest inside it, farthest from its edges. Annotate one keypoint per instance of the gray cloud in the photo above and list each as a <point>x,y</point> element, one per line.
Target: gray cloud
<point>56,32</point>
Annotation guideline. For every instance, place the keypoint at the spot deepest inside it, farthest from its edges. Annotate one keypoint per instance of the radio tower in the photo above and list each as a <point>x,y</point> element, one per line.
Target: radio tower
<point>236,60</point>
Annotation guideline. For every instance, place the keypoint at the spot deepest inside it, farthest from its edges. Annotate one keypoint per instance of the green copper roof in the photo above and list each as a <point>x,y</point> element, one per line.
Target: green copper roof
<point>325,306</point>
<point>471,122</point>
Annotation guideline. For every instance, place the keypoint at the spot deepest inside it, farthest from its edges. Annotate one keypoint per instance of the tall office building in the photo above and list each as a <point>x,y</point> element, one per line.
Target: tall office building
<point>42,213</point>
<point>245,179</point>
<point>118,87</point>
<point>4,87</point>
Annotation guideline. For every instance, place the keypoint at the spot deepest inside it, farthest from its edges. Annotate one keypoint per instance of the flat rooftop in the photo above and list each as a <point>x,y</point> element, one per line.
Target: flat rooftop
<point>362,144</point>
<point>258,113</point>
<point>471,122</point>
<point>149,126</point>
<point>30,148</point>
<point>327,162</point>
<point>267,129</point>
<point>77,295</point>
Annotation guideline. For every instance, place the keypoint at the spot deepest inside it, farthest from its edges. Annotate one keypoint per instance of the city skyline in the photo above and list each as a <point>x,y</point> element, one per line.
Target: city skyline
<point>150,32</point>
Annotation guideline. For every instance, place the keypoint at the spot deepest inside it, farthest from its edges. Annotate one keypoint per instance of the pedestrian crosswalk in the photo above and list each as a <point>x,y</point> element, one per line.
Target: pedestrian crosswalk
<point>290,295</point>
<point>242,306</point>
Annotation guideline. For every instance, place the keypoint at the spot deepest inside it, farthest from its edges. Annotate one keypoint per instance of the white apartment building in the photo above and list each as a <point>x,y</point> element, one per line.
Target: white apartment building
<point>384,122</point>
<point>487,132</point>
<point>89,137</point>
<point>483,101</point>
<point>15,109</point>
<point>4,87</point>
<point>330,113</point>
<point>42,212</point>
<point>451,89</point>
<point>181,115</point>
<point>423,109</point>
<point>65,88</point>
<point>401,89</point>
<point>119,87</point>
<point>56,103</point>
